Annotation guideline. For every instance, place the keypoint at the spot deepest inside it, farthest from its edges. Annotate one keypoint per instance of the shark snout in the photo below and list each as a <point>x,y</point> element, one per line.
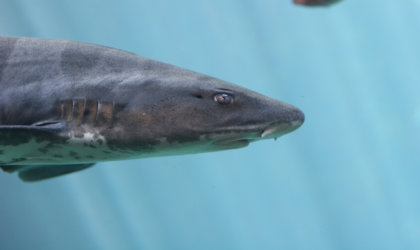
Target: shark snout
<point>288,123</point>
<point>298,116</point>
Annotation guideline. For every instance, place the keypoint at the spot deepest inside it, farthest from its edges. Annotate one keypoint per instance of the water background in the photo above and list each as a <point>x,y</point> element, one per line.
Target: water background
<point>348,179</point>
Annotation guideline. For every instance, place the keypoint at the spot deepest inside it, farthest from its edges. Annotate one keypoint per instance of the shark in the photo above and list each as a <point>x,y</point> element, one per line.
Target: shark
<point>66,105</point>
<point>316,3</point>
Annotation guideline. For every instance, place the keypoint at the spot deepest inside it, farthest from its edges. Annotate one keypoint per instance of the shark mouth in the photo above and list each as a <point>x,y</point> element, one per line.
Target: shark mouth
<point>242,138</point>
<point>278,129</point>
<point>232,142</point>
<point>274,130</point>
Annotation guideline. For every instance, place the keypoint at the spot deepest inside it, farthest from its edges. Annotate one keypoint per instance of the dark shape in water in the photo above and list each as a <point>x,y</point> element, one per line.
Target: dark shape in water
<point>315,2</point>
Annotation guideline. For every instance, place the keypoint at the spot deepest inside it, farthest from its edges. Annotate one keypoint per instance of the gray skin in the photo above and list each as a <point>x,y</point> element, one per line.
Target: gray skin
<point>73,104</point>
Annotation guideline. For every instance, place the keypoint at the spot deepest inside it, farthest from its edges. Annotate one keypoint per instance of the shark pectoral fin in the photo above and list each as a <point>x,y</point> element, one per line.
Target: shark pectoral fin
<point>43,126</point>
<point>38,173</point>
<point>50,125</point>
<point>17,134</point>
<point>12,168</point>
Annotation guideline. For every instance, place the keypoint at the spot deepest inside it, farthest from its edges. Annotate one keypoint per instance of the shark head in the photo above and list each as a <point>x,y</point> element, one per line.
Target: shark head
<point>226,116</point>
<point>193,113</point>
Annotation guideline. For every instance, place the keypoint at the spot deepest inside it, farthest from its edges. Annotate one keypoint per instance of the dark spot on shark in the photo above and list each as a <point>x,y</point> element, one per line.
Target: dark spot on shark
<point>14,160</point>
<point>43,150</point>
<point>47,147</point>
<point>39,139</point>
<point>58,156</point>
<point>91,109</point>
<point>73,154</point>
<point>1,152</point>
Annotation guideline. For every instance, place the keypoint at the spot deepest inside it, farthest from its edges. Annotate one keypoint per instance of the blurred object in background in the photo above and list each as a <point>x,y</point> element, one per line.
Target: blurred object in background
<point>316,2</point>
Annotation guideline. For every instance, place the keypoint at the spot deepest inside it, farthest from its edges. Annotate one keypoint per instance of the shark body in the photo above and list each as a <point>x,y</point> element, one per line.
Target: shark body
<point>66,105</point>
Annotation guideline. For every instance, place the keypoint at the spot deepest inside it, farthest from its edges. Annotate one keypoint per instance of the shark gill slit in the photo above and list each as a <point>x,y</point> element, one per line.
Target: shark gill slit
<point>90,112</point>
<point>93,112</point>
<point>104,115</point>
<point>68,110</point>
<point>98,110</point>
<point>62,111</point>
<point>72,110</point>
<point>78,110</point>
<point>111,123</point>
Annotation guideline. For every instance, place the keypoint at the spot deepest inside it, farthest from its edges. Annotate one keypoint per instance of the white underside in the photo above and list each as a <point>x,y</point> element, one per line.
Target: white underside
<point>88,149</point>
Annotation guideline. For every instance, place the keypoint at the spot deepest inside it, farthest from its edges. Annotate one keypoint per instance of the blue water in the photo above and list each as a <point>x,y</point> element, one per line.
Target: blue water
<point>349,178</point>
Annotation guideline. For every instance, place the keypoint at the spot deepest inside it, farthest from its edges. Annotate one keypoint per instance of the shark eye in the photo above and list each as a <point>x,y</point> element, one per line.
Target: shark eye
<point>223,99</point>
